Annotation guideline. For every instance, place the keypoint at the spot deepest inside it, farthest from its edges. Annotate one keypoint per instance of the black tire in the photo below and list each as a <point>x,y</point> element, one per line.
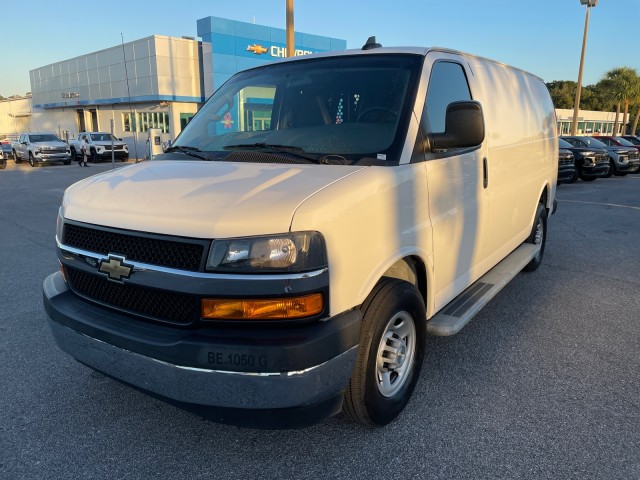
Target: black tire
<point>538,236</point>
<point>32,161</point>
<point>574,177</point>
<point>93,157</point>
<point>73,154</point>
<point>3,163</point>
<point>393,308</point>
<point>16,158</point>
<point>612,169</point>
<point>584,178</point>
<point>67,162</point>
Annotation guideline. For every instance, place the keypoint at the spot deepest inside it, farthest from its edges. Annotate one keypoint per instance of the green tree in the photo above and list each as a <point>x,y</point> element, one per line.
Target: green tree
<point>562,93</point>
<point>619,85</point>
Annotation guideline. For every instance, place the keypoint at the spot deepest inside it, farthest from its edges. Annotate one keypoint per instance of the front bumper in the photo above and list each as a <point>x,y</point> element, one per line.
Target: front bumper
<point>53,157</point>
<point>597,170</point>
<point>106,154</point>
<point>221,369</point>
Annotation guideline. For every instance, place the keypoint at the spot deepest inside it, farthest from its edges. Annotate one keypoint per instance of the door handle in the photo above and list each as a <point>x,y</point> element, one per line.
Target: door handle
<point>485,173</point>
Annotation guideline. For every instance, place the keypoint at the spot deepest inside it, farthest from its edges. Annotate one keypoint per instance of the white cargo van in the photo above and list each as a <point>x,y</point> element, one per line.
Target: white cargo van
<point>316,219</point>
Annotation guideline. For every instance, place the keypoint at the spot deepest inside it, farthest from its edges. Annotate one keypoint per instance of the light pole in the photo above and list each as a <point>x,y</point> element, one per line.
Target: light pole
<point>576,106</point>
<point>290,37</point>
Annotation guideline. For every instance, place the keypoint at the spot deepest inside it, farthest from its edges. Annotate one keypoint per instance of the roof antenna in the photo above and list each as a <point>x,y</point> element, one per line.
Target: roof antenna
<point>371,43</point>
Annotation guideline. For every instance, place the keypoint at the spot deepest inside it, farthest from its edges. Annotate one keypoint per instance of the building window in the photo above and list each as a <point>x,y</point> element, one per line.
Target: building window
<point>128,122</point>
<point>184,119</point>
<point>142,122</point>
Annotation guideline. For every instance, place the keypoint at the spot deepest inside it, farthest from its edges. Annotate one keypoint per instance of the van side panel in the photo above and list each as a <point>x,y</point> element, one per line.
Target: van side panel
<point>369,222</point>
<point>521,150</point>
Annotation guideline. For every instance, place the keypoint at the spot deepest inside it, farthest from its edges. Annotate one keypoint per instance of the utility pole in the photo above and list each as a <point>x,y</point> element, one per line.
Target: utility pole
<point>290,36</point>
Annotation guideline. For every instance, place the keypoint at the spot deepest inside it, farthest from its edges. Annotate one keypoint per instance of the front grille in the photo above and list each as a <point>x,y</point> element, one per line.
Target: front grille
<point>183,255</point>
<point>53,150</point>
<point>149,302</point>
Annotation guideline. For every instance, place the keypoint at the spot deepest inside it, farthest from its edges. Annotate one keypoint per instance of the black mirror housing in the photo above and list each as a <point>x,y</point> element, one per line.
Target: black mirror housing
<point>464,127</point>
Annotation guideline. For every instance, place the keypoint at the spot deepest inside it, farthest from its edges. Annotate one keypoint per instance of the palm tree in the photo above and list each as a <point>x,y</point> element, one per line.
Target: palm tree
<point>619,83</point>
<point>634,98</point>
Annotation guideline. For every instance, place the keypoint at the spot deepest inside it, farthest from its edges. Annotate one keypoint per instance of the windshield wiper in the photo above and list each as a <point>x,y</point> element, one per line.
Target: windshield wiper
<point>187,150</point>
<point>295,151</point>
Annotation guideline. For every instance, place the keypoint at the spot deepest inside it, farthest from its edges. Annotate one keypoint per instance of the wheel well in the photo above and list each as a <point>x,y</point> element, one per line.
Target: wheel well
<point>544,197</point>
<point>410,269</point>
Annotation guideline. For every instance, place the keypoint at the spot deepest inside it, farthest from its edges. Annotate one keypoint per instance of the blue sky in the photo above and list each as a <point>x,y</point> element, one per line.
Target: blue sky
<point>541,36</point>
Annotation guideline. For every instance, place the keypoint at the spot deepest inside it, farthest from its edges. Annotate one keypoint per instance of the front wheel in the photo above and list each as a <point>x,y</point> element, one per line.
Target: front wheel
<point>16,157</point>
<point>390,355</point>
<point>32,161</point>
<point>584,178</point>
<point>612,169</point>
<point>538,237</point>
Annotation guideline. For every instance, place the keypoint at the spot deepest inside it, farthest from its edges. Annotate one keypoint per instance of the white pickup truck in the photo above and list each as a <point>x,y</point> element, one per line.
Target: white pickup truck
<point>318,217</point>
<point>100,144</point>
<point>40,148</point>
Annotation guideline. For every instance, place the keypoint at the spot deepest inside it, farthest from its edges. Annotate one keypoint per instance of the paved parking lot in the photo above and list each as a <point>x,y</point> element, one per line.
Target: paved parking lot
<point>543,383</point>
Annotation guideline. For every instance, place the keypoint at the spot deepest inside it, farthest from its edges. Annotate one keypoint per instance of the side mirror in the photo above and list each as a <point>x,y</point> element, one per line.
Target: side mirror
<point>120,139</point>
<point>464,127</point>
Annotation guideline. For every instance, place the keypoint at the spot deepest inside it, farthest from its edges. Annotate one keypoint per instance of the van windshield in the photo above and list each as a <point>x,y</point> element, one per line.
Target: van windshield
<point>351,109</point>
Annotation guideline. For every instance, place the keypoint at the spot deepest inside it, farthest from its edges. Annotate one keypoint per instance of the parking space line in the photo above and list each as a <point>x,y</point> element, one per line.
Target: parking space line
<point>603,204</point>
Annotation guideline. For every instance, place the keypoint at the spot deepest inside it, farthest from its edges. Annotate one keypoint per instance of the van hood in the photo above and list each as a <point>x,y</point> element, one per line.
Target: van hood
<point>199,199</point>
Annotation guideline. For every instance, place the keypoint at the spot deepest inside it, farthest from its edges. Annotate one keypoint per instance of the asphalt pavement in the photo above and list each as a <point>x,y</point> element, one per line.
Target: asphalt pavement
<point>543,383</point>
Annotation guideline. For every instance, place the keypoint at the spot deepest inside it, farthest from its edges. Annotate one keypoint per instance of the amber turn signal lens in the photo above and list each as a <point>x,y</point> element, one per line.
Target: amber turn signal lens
<point>262,309</point>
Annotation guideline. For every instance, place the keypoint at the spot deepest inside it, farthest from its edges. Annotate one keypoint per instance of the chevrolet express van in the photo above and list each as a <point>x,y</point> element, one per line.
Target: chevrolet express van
<point>316,219</point>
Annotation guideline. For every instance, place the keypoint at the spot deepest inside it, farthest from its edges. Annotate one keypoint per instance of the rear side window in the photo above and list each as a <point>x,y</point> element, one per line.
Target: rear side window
<point>447,84</point>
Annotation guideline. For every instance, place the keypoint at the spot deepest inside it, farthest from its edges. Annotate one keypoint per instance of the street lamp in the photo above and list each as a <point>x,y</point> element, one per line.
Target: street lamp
<point>576,106</point>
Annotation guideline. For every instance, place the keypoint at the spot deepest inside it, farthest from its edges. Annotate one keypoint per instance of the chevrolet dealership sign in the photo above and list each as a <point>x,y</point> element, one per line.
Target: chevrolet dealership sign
<point>275,51</point>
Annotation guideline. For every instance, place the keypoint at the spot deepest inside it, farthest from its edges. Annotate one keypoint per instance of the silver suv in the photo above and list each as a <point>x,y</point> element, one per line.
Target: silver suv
<point>41,147</point>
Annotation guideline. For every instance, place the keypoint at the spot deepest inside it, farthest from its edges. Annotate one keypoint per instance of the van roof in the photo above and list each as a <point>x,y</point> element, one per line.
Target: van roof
<point>395,50</point>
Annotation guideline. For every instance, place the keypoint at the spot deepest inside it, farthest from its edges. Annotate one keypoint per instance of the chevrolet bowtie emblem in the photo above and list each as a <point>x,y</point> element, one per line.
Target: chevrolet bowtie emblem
<point>115,267</point>
<point>257,49</point>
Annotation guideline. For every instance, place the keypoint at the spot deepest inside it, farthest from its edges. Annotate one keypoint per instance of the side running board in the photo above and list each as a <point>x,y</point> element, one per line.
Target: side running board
<point>463,308</point>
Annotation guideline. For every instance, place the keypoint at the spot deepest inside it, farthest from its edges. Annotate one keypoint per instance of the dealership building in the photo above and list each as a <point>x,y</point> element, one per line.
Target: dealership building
<point>154,82</point>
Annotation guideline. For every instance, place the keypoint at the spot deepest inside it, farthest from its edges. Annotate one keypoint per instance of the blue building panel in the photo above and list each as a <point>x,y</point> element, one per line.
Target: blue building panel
<point>249,30</point>
<point>224,63</point>
<point>236,46</point>
<point>221,43</point>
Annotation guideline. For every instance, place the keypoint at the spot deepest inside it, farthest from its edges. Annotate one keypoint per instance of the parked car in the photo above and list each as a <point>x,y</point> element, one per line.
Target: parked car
<point>566,166</point>
<point>620,142</point>
<point>5,153</point>
<point>622,160</point>
<point>280,274</point>
<point>590,163</point>
<point>39,148</point>
<point>633,139</point>
<point>100,146</point>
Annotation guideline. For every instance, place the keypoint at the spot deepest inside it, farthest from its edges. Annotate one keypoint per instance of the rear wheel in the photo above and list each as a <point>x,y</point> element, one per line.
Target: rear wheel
<point>390,356</point>
<point>538,237</point>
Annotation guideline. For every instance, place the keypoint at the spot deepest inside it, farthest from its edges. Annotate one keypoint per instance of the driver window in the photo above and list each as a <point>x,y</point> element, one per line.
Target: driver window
<point>447,84</point>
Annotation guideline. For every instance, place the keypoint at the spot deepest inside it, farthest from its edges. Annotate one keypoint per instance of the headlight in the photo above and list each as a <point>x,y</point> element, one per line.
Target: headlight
<point>588,153</point>
<point>36,150</point>
<point>288,252</point>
